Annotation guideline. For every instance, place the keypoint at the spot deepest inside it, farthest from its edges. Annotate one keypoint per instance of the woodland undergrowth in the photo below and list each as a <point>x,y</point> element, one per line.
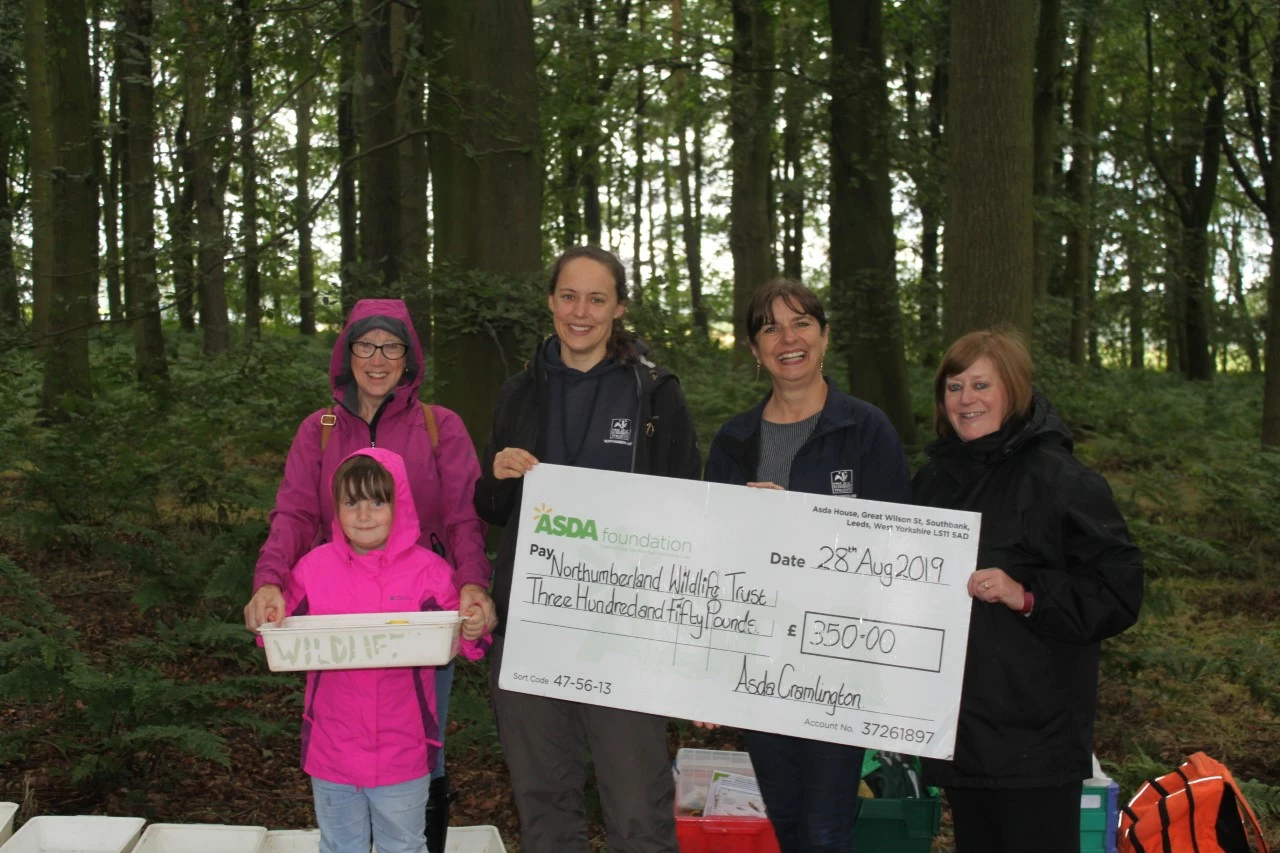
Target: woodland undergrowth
<point>172,488</point>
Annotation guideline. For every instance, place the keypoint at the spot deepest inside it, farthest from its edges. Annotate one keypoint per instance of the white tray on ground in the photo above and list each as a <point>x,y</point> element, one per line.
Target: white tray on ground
<point>75,834</point>
<point>8,811</point>
<point>200,838</point>
<point>291,841</point>
<point>474,839</point>
<point>362,640</point>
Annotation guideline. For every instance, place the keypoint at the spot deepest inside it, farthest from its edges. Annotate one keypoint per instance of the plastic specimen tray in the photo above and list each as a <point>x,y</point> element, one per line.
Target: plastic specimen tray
<point>474,839</point>
<point>8,811</point>
<point>291,841</point>
<point>78,834</point>
<point>200,838</point>
<point>362,640</point>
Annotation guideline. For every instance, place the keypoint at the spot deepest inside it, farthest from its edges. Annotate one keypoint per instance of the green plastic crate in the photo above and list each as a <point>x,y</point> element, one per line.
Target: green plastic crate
<point>1098,816</point>
<point>897,826</point>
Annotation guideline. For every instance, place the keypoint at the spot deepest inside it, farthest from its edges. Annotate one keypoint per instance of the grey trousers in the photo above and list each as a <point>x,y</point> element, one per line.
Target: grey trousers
<point>545,744</point>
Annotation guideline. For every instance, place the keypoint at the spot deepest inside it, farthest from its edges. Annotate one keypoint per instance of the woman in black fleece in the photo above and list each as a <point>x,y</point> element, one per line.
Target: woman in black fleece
<point>588,398</point>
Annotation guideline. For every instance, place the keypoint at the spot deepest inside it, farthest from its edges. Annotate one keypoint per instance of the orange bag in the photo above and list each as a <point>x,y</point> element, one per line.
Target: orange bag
<point>1198,808</point>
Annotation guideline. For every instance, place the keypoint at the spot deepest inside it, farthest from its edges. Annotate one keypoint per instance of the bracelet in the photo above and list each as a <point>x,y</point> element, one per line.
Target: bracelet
<point>1028,602</point>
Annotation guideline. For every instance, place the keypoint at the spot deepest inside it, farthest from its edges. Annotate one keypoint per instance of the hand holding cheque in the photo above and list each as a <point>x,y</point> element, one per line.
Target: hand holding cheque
<point>831,618</point>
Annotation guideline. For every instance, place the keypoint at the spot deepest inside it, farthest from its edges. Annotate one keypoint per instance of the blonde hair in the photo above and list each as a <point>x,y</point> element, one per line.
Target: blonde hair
<point>1008,353</point>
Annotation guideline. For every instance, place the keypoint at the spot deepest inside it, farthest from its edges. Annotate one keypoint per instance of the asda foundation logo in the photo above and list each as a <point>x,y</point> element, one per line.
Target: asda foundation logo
<point>563,525</point>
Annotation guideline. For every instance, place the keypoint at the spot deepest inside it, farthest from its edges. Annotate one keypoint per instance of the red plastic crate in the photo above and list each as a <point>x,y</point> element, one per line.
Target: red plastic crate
<point>725,835</point>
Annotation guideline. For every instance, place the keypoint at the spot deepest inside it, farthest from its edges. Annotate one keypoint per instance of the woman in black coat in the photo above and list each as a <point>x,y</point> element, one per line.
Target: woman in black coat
<point>1057,574</point>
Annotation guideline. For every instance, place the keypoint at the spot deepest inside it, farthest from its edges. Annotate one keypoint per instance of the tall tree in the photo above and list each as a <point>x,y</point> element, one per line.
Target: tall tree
<point>207,94</point>
<point>751,131</point>
<point>411,107</point>
<point>40,164</point>
<point>1079,190</point>
<point>1262,139</point>
<point>486,172</point>
<point>105,156</point>
<point>348,203</point>
<point>303,103</point>
<point>137,115</point>
<point>690,223</point>
<point>797,39</point>
<point>245,26</point>
<point>1188,164</point>
<point>1048,83</point>
<point>989,256</point>
<point>75,206</point>
<point>864,288</point>
<point>11,27</point>
<point>380,227</point>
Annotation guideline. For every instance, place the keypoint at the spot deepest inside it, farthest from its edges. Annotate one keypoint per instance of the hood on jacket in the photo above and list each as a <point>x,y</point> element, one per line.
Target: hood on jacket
<point>391,315</point>
<point>1042,423</point>
<point>404,514</point>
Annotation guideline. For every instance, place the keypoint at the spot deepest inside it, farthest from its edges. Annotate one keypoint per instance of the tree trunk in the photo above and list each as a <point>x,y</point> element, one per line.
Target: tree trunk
<point>989,250</point>
<point>248,174</point>
<point>491,188</point>
<point>1045,126</point>
<point>690,232</point>
<point>11,108</point>
<point>1235,279</point>
<point>864,290</point>
<point>75,207</point>
<point>302,190</point>
<point>416,245</point>
<point>638,177</point>
<point>1271,387</point>
<point>137,109</point>
<point>795,98</point>
<point>104,153</point>
<point>1136,300</point>
<point>670,271</point>
<point>381,236</point>
<point>1080,178</point>
<point>40,161</point>
<point>182,227</point>
<point>751,131</point>
<point>348,204</point>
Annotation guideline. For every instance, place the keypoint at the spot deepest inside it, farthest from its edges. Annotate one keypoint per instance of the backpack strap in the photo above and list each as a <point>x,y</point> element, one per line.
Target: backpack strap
<point>433,428</point>
<point>327,421</point>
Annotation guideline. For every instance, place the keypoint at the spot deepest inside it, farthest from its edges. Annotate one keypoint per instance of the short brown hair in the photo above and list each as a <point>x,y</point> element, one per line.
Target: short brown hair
<point>1007,351</point>
<point>362,478</point>
<point>793,294</point>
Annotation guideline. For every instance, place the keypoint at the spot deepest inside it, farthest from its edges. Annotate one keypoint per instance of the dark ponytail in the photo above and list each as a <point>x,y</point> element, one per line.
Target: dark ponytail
<point>622,346</point>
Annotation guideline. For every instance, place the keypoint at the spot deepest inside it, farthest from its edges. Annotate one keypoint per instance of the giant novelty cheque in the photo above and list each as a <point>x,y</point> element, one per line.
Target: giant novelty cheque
<point>824,617</point>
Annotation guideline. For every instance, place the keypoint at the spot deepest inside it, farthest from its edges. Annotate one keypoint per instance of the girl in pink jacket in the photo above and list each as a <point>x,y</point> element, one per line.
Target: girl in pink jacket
<point>370,736</point>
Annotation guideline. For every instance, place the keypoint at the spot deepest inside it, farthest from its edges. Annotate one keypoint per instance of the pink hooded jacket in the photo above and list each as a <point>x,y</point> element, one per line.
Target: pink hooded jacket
<point>371,727</point>
<point>443,480</point>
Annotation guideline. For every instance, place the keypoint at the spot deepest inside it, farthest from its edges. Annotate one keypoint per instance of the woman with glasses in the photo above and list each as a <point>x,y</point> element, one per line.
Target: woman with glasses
<point>375,373</point>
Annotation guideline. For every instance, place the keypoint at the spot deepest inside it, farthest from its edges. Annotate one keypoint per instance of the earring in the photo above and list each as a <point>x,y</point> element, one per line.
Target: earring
<point>822,366</point>
<point>757,371</point>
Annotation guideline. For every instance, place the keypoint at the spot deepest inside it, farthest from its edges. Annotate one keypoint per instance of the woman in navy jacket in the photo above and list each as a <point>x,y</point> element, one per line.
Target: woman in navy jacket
<point>806,436</point>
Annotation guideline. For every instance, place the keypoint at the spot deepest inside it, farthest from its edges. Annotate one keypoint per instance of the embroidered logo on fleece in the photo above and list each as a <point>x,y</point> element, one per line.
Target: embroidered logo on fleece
<point>842,482</point>
<point>619,431</point>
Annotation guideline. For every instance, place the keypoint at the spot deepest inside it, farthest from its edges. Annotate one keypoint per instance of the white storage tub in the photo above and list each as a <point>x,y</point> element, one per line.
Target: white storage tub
<point>694,769</point>
<point>362,640</point>
<point>291,841</point>
<point>200,838</point>
<point>8,811</point>
<point>474,839</point>
<point>76,834</point>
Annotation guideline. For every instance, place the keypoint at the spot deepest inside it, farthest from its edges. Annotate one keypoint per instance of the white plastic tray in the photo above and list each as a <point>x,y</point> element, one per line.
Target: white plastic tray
<point>7,813</point>
<point>474,839</point>
<point>76,834</point>
<point>291,841</point>
<point>362,640</point>
<point>200,838</point>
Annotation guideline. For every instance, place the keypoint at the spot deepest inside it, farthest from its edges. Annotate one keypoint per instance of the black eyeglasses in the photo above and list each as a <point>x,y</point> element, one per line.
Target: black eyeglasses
<point>366,349</point>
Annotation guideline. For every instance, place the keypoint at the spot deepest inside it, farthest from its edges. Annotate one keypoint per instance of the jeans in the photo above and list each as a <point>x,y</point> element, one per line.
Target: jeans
<point>810,790</point>
<point>444,686</point>
<point>392,816</point>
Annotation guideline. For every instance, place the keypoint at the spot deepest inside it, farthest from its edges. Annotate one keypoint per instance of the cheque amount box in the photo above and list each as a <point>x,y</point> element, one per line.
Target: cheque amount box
<point>872,641</point>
